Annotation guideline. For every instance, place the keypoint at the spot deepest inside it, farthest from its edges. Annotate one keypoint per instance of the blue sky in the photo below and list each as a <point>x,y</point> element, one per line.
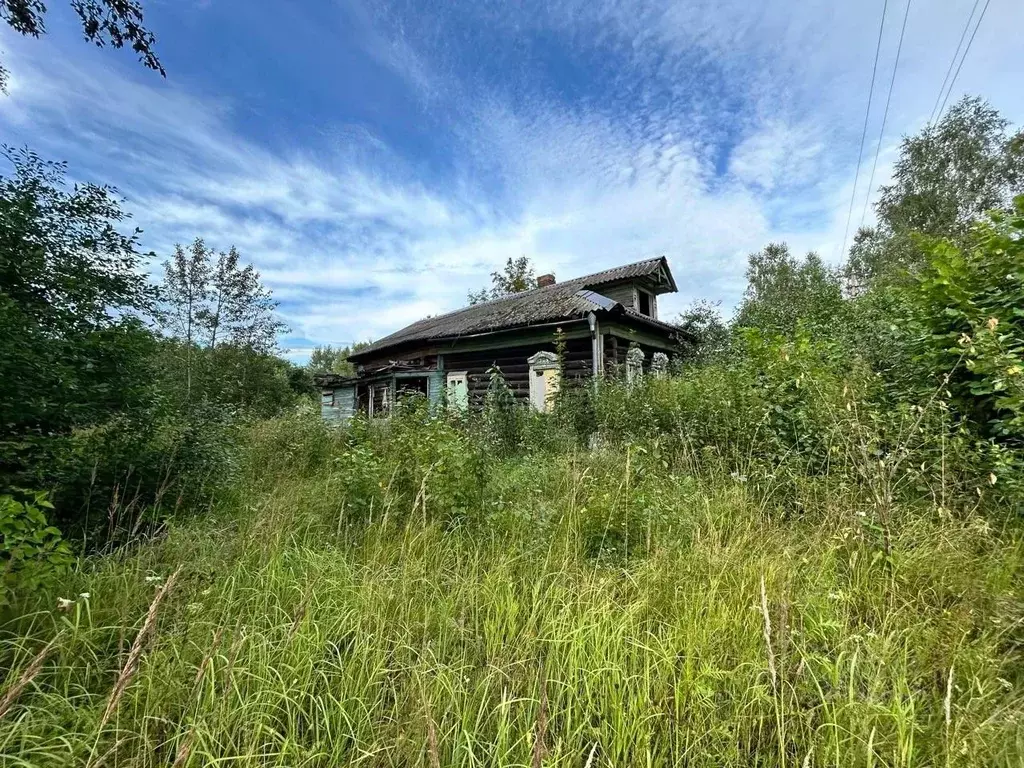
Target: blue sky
<point>377,160</point>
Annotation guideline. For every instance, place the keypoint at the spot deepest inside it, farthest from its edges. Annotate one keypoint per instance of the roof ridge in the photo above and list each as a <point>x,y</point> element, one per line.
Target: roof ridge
<point>515,307</point>
<point>618,267</point>
<point>563,284</point>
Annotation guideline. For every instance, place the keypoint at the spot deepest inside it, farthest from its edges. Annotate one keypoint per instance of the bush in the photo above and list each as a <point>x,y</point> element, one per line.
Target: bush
<point>124,476</point>
<point>970,305</point>
<point>32,552</point>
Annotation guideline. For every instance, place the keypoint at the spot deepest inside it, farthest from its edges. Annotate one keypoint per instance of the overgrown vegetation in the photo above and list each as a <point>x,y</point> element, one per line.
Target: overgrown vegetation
<point>803,546</point>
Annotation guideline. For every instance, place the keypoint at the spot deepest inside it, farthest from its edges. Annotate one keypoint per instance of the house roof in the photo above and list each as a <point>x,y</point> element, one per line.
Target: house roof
<point>571,299</point>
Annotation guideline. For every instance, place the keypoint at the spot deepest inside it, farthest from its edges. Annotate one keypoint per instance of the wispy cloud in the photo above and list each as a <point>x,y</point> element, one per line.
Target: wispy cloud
<point>579,134</point>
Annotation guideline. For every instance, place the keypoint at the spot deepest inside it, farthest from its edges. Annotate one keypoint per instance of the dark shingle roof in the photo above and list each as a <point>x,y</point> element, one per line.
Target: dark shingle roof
<point>568,299</point>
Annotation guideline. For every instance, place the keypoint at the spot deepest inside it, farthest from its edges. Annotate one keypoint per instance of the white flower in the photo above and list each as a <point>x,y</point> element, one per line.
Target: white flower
<point>84,595</point>
<point>63,604</point>
<point>154,579</point>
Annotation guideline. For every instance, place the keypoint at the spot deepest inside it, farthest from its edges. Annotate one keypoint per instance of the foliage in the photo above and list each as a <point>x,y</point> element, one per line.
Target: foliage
<point>388,589</point>
<point>782,290</point>
<point>703,319</point>
<point>946,177</point>
<point>516,277</point>
<point>222,330</point>
<point>503,419</point>
<point>328,359</point>
<point>32,553</point>
<point>211,298</point>
<point>73,350</point>
<point>104,22</point>
<point>970,306</point>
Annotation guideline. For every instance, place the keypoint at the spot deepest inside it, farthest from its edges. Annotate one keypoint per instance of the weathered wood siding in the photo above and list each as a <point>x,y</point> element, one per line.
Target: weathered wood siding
<point>622,293</point>
<point>436,386</point>
<point>339,404</point>
<point>515,369</point>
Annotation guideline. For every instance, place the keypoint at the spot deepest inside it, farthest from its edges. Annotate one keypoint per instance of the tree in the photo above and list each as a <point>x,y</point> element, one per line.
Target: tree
<point>328,359</point>
<point>704,320</point>
<point>782,290</point>
<point>104,22</point>
<point>946,177</point>
<point>516,277</point>
<point>209,305</point>
<point>185,291</point>
<point>73,346</point>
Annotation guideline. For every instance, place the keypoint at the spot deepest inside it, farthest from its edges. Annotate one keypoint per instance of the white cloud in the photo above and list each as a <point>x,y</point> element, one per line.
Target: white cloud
<point>357,241</point>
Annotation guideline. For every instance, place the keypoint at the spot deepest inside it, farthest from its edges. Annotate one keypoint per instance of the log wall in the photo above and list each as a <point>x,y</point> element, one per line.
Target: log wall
<point>515,369</point>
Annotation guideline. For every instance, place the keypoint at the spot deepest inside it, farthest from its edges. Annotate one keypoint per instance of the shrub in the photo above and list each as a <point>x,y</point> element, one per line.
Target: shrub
<point>32,552</point>
<point>969,304</point>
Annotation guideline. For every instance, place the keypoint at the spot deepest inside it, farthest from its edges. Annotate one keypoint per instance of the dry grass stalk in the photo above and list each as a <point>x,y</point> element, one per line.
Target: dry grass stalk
<point>131,665</point>
<point>433,750</point>
<point>184,749</point>
<point>106,755</point>
<point>542,722</point>
<point>432,747</point>
<point>236,646</point>
<point>947,704</point>
<point>201,672</point>
<point>768,635</point>
<point>300,613</point>
<point>30,673</point>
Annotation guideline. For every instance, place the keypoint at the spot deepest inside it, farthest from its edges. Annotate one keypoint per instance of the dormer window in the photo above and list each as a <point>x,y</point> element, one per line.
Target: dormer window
<point>643,305</point>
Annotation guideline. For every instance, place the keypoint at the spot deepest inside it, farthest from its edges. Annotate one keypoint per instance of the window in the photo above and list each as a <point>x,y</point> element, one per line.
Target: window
<point>458,391</point>
<point>544,381</point>
<point>327,397</point>
<point>644,303</point>
<point>406,386</point>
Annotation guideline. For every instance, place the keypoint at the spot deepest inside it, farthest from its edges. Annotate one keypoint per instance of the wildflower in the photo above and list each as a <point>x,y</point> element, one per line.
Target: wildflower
<point>964,340</point>
<point>63,604</point>
<point>991,478</point>
<point>992,323</point>
<point>153,579</point>
<point>84,595</point>
<point>1013,370</point>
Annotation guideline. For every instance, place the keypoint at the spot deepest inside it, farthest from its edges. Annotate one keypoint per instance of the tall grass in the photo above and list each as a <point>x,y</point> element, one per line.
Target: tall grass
<point>389,596</point>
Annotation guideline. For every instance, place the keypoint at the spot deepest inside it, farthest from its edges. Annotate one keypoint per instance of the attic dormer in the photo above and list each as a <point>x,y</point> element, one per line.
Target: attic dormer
<point>638,293</point>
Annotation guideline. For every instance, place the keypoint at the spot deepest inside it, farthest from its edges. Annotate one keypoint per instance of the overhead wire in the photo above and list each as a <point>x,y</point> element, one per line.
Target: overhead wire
<point>864,131</point>
<point>952,62</point>
<point>963,59</point>
<point>885,113</point>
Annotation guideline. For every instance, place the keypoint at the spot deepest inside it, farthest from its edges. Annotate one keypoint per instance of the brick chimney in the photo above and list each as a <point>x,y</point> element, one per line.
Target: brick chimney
<point>545,280</point>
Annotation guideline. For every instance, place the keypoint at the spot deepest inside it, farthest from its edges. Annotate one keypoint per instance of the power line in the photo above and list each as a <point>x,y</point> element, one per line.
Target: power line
<point>864,132</point>
<point>885,114</point>
<point>949,70</point>
<point>963,59</point>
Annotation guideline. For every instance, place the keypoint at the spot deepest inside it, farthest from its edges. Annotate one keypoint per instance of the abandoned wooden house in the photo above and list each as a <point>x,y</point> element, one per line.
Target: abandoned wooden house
<point>601,317</point>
